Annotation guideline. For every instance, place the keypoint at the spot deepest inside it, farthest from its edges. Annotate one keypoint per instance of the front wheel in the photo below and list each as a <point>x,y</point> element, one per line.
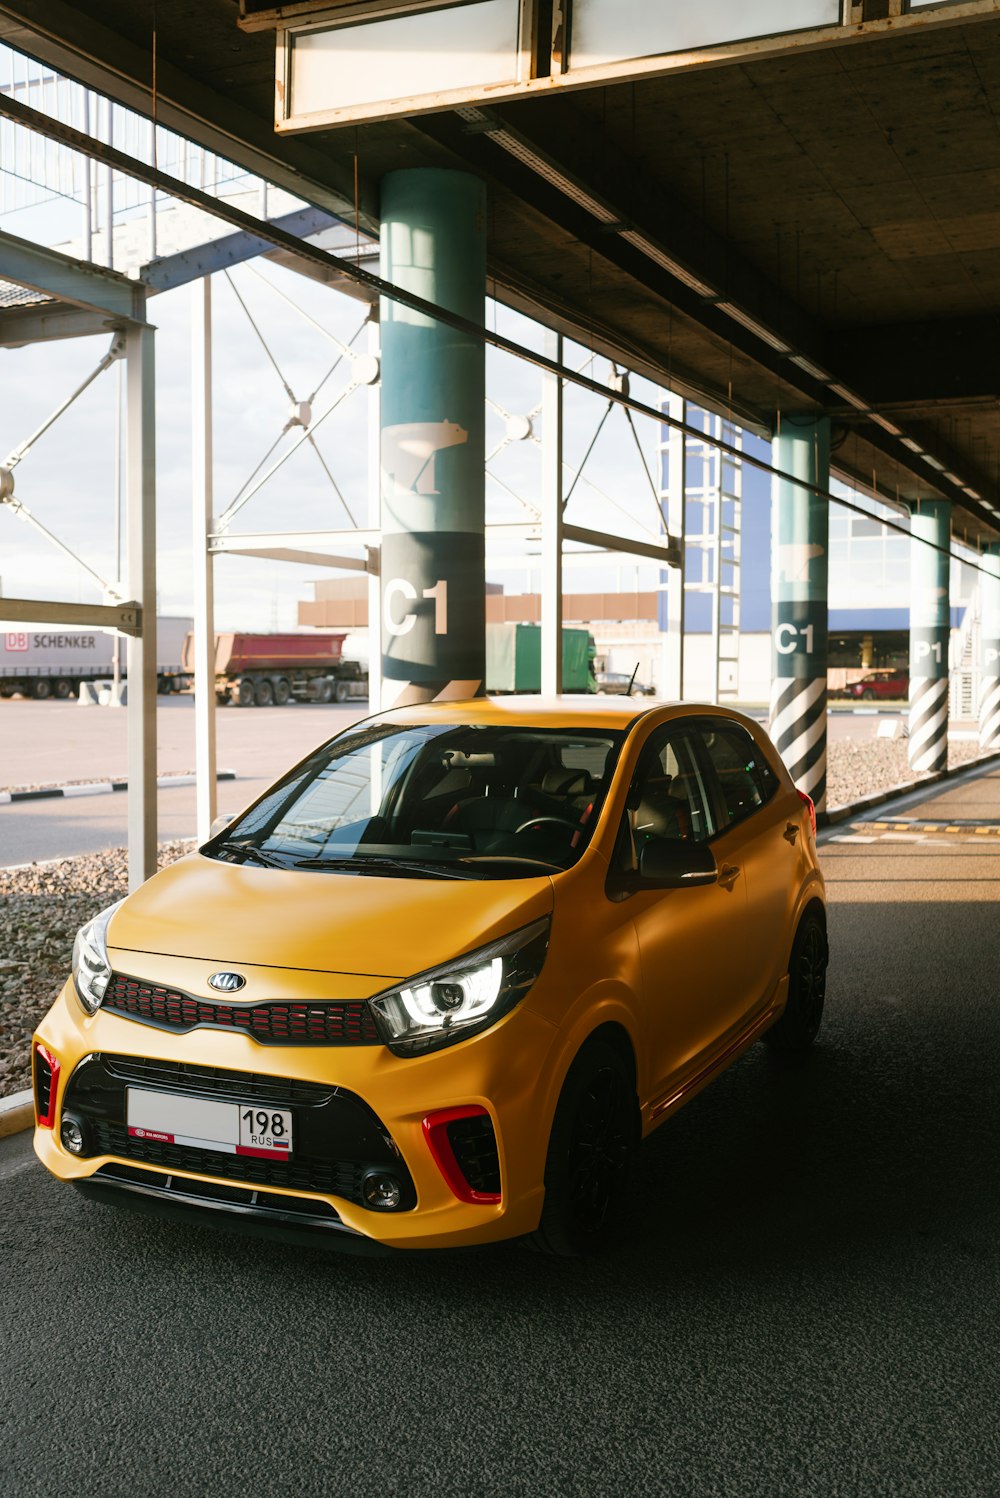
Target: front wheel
<point>595,1135</point>
<point>799,1025</point>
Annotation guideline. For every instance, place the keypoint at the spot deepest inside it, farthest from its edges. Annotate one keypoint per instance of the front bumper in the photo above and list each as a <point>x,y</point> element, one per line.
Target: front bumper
<point>357,1109</point>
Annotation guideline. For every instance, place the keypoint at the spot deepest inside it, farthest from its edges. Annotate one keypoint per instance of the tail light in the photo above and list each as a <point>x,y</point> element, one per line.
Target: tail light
<point>46,1067</point>
<point>812,808</point>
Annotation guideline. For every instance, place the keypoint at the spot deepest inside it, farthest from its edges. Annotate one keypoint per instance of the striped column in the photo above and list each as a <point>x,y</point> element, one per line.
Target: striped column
<point>432,459</point>
<point>800,532</point>
<point>930,632</point>
<point>989,672</point>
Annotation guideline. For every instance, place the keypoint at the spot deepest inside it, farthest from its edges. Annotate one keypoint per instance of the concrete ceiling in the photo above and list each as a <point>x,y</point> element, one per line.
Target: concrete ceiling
<point>844,200</point>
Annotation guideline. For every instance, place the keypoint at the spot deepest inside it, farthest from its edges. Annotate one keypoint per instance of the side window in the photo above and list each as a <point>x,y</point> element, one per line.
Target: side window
<point>745,778</point>
<point>667,799</point>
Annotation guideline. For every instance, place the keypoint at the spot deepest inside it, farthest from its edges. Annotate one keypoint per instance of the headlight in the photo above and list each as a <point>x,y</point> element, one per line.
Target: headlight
<point>91,969</point>
<point>460,998</point>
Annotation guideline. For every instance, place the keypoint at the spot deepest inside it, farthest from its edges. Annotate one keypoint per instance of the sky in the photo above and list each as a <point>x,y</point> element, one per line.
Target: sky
<point>68,480</point>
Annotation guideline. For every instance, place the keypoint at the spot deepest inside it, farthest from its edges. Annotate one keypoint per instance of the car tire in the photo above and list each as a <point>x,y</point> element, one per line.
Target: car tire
<point>592,1148</point>
<point>868,695</point>
<point>799,1025</point>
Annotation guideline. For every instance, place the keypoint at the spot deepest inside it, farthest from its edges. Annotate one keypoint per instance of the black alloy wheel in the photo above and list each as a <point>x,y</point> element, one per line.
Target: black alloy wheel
<point>798,1027</point>
<point>595,1135</point>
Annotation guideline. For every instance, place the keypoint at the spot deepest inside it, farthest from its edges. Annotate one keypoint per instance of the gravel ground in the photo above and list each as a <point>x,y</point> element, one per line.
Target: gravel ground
<point>43,906</point>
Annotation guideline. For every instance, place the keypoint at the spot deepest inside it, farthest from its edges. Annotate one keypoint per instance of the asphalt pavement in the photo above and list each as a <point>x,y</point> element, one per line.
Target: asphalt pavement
<point>804,1301</point>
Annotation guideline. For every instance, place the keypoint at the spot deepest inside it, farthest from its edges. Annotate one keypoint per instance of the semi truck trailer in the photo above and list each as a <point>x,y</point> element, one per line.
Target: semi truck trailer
<point>50,661</point>
<point>273,669</point>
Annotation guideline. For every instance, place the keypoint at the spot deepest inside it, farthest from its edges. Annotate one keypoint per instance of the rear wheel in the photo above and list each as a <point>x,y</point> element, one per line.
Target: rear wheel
<point>798,1027</point>
<point>264,692</point>
<point>282,691</point>
<point>245,696</point>
<point>341,691</point>
<point>595,1134</point>
<point>64,689</point>
<point>41,689</point>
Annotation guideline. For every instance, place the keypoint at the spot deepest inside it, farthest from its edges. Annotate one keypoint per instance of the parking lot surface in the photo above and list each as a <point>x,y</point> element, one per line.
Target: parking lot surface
<point>805,1299</point>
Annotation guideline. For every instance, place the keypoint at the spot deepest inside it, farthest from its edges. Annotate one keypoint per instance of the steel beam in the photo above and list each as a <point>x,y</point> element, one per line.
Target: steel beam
<point>140,501</point>
<point>201,521</point>
<point>23,325</point>
<point>89,286</point>
<point>233,249</point>
<point>552,520</point>
<point>669,555</point>
<point>125,617</point>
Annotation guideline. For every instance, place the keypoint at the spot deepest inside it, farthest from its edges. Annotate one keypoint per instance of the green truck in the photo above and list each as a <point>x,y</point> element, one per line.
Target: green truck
<point>514,659</point>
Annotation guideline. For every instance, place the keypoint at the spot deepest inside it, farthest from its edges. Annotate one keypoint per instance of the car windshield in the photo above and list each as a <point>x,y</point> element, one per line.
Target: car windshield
<point>446,801</point>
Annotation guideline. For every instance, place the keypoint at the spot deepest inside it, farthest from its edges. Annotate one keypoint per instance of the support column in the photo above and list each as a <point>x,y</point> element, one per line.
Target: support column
<point>552,518</point>
<point>203,579</point>
<point>433,563</point>
<point>930,632</point>
<point>140,513</point>
<point>675,480</point>
<point>799,609</point>
<point>989,675</point>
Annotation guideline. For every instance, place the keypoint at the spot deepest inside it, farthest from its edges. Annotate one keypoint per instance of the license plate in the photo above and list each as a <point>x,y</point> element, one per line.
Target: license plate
<point>233,1128</point>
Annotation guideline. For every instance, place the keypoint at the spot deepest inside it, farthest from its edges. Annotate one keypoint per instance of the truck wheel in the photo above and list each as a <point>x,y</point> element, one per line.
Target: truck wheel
<point>41,689</point>
<point>245,693</point>
<point>264,692</point>
<point>341,691</point>
<point>282,691</point>
<point>324,690</point>
<point>64,689</point>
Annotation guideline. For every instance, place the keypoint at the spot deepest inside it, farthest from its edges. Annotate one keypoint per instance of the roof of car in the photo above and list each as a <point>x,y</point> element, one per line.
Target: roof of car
<point>572,711</point>
<point>578,711</point>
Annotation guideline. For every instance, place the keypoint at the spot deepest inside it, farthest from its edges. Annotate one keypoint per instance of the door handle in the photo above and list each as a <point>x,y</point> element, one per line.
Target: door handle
<point>729,873</point>
<point>791,832</point>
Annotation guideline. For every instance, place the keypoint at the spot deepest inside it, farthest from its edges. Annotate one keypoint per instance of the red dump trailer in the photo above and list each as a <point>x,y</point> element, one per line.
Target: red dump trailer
<point>261,670</point>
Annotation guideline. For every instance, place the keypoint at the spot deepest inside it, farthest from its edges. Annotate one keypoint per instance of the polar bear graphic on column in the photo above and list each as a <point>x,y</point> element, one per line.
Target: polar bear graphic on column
<point>408,455</point>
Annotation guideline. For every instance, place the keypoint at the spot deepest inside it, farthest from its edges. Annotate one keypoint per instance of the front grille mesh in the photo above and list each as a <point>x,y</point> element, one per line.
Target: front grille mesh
<point>330,1177</point>
<point>234,1084</point>
<point>347,1022</point>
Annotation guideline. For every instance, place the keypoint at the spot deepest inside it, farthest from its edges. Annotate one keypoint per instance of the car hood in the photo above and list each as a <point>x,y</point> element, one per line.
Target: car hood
<point>334,923</point>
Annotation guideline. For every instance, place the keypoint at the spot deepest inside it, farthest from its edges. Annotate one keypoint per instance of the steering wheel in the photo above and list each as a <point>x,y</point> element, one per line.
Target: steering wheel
<point>539,821</point>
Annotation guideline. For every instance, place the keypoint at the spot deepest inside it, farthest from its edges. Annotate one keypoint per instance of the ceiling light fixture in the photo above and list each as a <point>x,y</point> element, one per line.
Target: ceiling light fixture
<point>848,396</point>
<point>811,368</point>
<point>752,326</point>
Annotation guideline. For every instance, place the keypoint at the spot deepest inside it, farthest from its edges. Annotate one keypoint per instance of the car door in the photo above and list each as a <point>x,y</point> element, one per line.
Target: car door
<point>766,817</point>
<point>689,939</point>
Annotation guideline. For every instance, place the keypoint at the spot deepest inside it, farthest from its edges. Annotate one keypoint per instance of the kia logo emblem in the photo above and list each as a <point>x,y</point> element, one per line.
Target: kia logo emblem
<point>227,982</point>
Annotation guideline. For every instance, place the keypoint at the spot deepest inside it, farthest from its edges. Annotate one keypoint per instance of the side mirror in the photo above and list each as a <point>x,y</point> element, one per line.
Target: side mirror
<point>677,865</point>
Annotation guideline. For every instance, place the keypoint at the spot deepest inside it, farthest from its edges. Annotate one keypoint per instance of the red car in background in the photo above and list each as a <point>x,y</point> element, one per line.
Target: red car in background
<point>880,684</point>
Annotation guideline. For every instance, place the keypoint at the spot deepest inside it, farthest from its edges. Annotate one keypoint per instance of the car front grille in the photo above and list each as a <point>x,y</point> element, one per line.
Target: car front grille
<point>216,1079</point>
<point>328,1177</point>
<point>338,1139</point>
<point>345,1022</point>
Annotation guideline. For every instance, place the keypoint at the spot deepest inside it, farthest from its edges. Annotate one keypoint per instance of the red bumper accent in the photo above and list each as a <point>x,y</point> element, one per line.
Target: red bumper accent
<point>436,1134</point>
<point>44,1057</point>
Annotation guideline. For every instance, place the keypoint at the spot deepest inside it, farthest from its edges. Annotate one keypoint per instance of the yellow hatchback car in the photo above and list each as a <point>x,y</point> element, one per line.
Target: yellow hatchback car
<point>435,985</point>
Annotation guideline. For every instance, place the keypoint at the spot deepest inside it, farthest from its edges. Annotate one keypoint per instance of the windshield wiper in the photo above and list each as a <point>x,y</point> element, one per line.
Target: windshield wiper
<point>252,854</point>
<point>373,864</point>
